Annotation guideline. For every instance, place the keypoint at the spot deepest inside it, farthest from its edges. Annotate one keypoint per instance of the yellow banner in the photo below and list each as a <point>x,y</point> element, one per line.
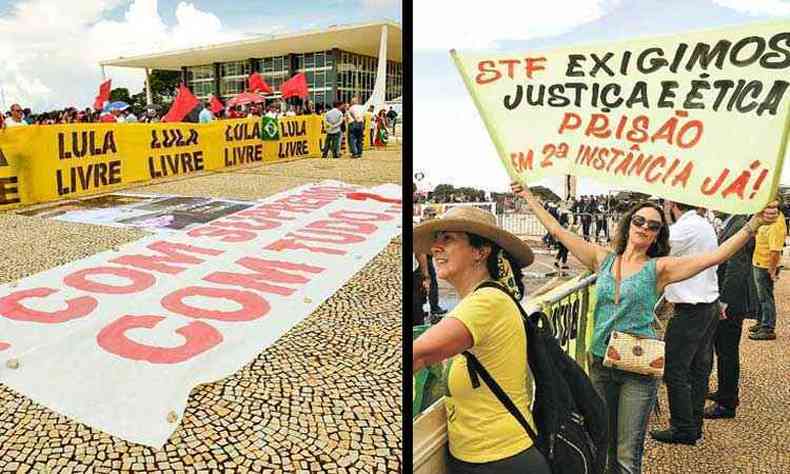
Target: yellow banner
<point>701,118</point>
<point>49,162</point>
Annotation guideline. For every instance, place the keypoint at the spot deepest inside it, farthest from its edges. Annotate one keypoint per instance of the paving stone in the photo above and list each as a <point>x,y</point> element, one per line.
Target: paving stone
<point>280,411</point>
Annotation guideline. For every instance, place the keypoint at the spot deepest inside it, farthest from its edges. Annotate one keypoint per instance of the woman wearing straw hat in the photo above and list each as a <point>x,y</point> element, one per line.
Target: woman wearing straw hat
<point>468,249</point>
<point>639,259</point>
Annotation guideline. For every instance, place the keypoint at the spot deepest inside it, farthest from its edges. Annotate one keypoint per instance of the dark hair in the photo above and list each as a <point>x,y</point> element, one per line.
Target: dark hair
<point>491,263</point>
<point>685,207</point>
<point>659,248</point>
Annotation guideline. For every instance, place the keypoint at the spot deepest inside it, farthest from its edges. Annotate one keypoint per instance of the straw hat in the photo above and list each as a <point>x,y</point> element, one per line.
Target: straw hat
<point>474,221</point>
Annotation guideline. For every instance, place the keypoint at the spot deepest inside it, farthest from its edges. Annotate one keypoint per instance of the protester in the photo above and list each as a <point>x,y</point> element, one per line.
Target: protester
<point>332,122</point>
<point>640,257</point>
<point>430,283</point>
<point>391,117</point>
<point>561,259</point>
<point>17,117</point>
<point>468,249</point>
<point>767,251</point>
<point>380,139</point>
<point>738,298</point>
<point>689,334</point>
<point>356,127</point>
<point>205,115</point>
<point>129,116</point>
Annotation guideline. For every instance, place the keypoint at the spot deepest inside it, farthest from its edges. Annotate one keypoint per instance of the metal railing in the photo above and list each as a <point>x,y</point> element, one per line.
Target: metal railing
<point>529,225</point>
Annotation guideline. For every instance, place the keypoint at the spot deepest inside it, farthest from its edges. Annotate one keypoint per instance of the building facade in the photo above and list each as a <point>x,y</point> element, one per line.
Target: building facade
<point>331,75</point>
<point>339,62</point>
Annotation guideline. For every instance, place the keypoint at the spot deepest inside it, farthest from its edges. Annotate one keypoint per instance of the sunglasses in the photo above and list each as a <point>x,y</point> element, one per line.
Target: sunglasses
<point>641,222</point>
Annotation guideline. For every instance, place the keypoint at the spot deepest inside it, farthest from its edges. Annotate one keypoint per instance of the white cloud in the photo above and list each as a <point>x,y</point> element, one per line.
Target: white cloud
<point>757,7</point>
<point>450,141</point>
<point>380,4</point>
<point>51,48</point>
<point>445,24</point>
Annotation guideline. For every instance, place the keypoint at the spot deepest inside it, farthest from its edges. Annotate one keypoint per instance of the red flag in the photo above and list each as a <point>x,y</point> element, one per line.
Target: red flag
<point>295,86</point>
<point>104,94</point>
<point>185,102</point>
<point>257,84</point>
<point>216,105</point>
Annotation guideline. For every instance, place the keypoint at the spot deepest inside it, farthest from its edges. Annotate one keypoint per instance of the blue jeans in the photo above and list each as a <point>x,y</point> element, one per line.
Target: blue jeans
<point>629,398</point>
<point>765,293</point>
<point>356,130</point>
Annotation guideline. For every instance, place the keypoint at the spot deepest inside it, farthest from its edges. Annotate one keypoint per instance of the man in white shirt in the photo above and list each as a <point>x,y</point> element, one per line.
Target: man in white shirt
<point>689,334</point>
<point>17,117</point>
<point>332,121</point>
<point>205,115</point>
<point>356,127</point>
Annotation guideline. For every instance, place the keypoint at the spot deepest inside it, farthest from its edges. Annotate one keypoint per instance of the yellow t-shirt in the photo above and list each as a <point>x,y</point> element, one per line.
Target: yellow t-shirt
<point>768,238</point>
<point>479,427</point>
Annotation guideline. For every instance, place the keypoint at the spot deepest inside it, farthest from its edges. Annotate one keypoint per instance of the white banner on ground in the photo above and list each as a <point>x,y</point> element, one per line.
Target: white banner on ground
<point>118,340</point>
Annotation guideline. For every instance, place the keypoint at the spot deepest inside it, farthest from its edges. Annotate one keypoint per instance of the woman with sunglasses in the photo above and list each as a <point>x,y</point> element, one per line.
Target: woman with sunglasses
<point>639,257</point>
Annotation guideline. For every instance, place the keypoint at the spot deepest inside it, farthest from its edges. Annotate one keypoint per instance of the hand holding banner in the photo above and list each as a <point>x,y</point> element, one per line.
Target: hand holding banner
<point>700,118</point>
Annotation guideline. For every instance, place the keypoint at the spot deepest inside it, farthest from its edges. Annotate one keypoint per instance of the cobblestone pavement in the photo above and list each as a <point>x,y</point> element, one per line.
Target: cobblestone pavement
<point>326,397</point>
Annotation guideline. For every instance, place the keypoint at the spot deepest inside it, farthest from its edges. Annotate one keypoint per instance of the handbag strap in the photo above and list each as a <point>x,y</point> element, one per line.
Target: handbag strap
<point>617,278</point>
<point>476,367</point>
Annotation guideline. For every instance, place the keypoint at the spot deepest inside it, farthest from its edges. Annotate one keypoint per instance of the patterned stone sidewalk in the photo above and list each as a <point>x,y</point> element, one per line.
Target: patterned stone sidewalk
<point>325,398</point>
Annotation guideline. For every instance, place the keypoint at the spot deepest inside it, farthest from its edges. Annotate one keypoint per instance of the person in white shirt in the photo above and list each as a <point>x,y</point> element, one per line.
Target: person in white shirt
<point>130,117</point>
<point>17,118</point>
<point>332,121</point>
<point>205,115</point>
<point>689,335</point>
<point>356,127</point>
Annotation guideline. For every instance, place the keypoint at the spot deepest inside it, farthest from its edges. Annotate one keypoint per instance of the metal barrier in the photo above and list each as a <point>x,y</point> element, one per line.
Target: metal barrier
<point>529,225</point>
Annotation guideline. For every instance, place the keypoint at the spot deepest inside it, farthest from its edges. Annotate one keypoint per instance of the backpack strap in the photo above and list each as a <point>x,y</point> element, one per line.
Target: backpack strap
<point>475,366</point>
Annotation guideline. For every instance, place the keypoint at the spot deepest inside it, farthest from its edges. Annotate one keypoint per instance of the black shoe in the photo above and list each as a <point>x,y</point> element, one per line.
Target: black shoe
<point>716,411</point>
<point>672,436</point>
<point>763,334</point>
<point>755,327</point>
<point>439,311</point>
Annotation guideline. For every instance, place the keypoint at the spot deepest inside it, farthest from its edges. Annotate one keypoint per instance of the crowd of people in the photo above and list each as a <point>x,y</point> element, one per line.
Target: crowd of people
<point>715,276</point>
<point>120,112</point>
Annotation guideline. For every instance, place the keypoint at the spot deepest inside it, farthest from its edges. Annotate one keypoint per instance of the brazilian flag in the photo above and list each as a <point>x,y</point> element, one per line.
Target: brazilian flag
<point>270,129</point>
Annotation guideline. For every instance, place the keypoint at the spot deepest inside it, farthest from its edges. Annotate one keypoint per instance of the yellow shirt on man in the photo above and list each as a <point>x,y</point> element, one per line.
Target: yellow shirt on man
<point>769,238</point>
<point>479,427</point>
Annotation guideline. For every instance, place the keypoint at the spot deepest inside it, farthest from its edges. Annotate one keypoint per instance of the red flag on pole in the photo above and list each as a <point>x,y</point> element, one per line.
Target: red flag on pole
<point>185,102</point>
<point>216,105</point>
<point>104,94</point>
<point>295,86</point>
<point>257,84</point>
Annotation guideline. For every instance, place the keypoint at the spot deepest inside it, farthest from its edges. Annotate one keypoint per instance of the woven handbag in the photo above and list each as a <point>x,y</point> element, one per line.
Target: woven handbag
<point>634,353</point>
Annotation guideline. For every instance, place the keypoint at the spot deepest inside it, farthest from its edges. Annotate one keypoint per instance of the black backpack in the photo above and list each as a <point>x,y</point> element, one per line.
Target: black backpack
<point>570,416</point>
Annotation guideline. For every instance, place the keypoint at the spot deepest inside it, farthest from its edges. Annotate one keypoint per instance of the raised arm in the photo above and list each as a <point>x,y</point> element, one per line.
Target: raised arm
<point>673,269</point>
<point>590,254</point>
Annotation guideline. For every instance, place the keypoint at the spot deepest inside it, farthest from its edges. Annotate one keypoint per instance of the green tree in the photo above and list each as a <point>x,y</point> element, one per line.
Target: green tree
<point>119,93</point>
<point>164,86</point>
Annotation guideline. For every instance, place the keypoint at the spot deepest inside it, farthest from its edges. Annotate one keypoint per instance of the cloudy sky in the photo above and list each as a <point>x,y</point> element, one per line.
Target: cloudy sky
<point>451,144</point>
<point>50,49</point>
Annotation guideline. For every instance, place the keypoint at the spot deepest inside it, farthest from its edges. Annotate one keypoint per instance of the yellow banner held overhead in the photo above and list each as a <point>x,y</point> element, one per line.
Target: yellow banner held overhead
<point>701,118</point>
<point>48,162</point>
